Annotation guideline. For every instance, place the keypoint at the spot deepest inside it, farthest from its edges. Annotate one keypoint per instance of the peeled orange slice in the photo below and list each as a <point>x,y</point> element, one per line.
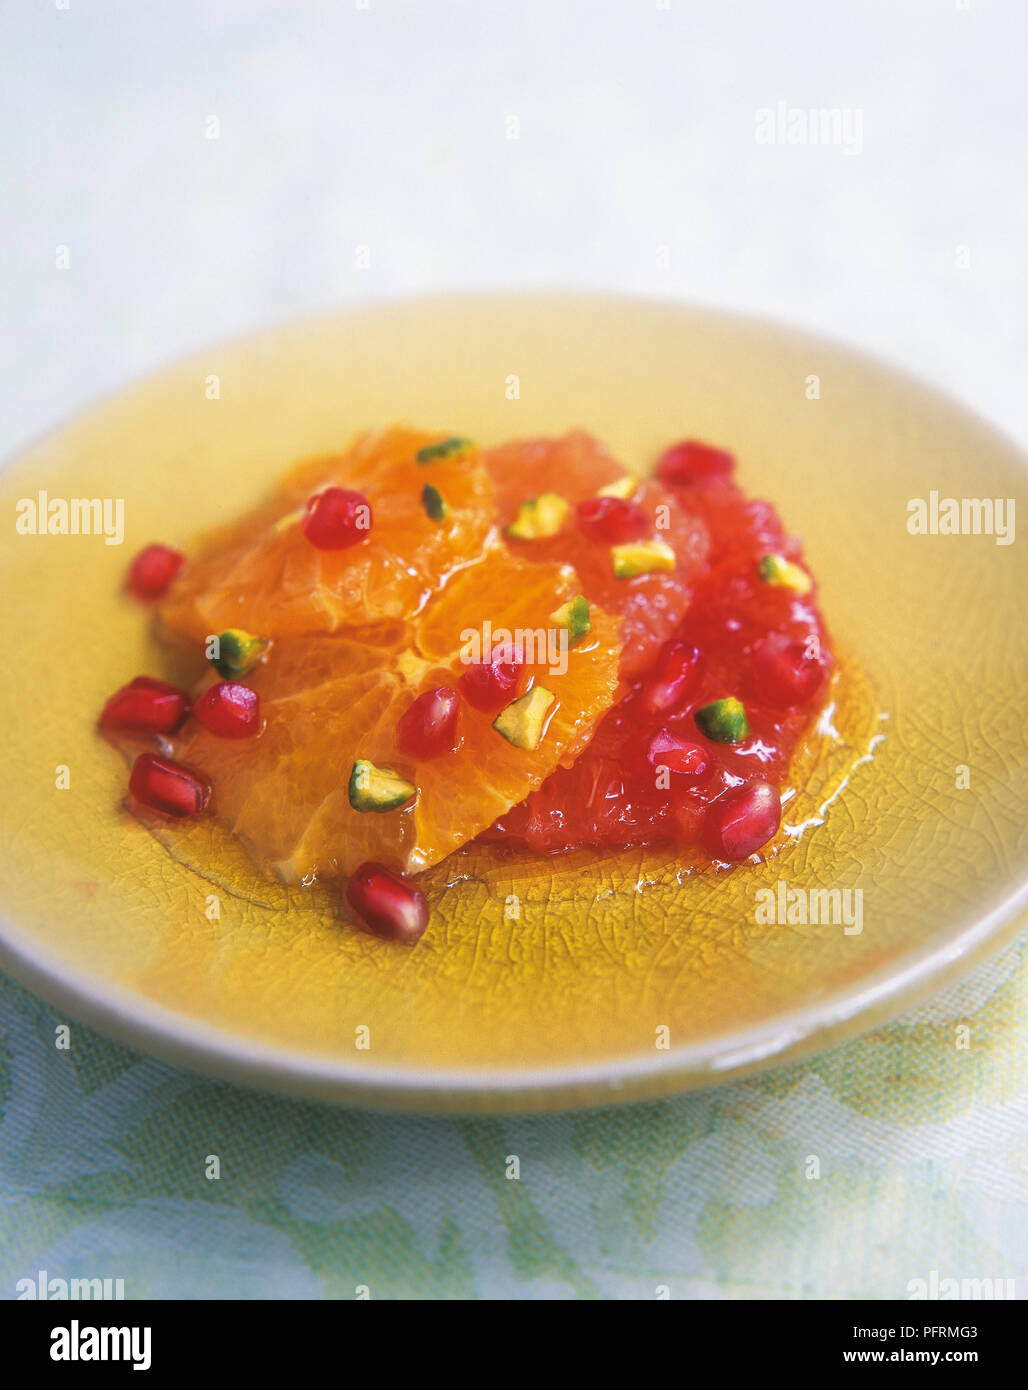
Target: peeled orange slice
<point>330,700</point>
<point>263,575</point>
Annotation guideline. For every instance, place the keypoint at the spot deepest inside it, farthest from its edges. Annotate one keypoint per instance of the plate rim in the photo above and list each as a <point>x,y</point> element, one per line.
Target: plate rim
<point>174,1037</point>
<point>743,318</point>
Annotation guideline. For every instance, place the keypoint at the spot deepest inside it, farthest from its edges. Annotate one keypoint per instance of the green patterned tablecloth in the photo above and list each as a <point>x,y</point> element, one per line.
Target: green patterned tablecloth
<point>921,1147</point>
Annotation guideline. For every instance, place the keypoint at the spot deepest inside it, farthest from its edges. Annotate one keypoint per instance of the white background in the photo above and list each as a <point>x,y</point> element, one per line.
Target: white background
<point>386,128</point>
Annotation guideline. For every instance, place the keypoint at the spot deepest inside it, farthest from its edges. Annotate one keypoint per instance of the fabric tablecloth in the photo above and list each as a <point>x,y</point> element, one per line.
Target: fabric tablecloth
<point>181,173</point>
<point>877,1170</point>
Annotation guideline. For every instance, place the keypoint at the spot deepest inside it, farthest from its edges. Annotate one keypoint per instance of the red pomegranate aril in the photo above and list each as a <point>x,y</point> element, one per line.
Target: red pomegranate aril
<point>387,904</point>
<point>612,520</point>
<point>489,685</point>
<point>145,706</point>
<point>740,823</point>
<point>168,787</point>
<point>229,710</point>
<point>681,756</point>
<point>429,726</point>
<point>152,571</point>
<point>337,519</point>
<point>692,464</point>
<point>673,673</point>
<point>788,672</point>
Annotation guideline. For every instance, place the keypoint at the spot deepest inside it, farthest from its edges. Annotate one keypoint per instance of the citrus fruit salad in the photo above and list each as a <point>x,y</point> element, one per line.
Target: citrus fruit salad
<point>419,643</point>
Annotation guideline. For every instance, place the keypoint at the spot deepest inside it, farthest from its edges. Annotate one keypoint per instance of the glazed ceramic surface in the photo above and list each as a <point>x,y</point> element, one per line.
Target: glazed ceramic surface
<point>541,982</point>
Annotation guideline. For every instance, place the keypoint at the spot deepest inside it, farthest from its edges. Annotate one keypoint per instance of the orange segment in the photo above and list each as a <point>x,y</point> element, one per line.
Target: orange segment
<point>577,466</point>
<point>329,700</point>
<point>263,575</point>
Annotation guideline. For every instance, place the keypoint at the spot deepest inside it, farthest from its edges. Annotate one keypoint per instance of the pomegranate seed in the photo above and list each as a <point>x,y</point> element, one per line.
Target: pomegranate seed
<point>612,519</point>
<point>230,710</point>
<point>490,685</point>
<point>145,706</point>
<point>152,571</point>
<point>167,786</point>
<point>337,519</point>
<point>738,824</point>
<point>680,755</point>
<point>787,673</point>
<point>673,673</point>
<point>387,903</point>
<point>429,726</point>
<point>695,464</point>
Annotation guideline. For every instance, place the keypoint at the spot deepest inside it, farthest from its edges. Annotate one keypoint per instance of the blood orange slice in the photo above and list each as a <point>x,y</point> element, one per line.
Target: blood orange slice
<point>577,467</point>
<point>654,770</point>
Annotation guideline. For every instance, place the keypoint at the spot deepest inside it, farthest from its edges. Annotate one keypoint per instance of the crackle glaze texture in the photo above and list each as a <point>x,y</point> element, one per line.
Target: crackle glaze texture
<point>604,950</point>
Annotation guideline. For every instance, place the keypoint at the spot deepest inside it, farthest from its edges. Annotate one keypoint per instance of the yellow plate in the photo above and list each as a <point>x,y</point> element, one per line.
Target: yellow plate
<point>623,976</point>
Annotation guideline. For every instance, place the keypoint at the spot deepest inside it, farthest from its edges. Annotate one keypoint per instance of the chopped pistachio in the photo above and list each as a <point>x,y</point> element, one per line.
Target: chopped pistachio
<point>434,503</point>
<point>574,615</point>
<point>724,721</point>
<point>539,517</point>
<point>445,449</point>
<point>521,723</point>
<point>641,557</point>
<point>377,788</point>
<point>620,487</point>
<point>783,574</point>
<point>234,652</point>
